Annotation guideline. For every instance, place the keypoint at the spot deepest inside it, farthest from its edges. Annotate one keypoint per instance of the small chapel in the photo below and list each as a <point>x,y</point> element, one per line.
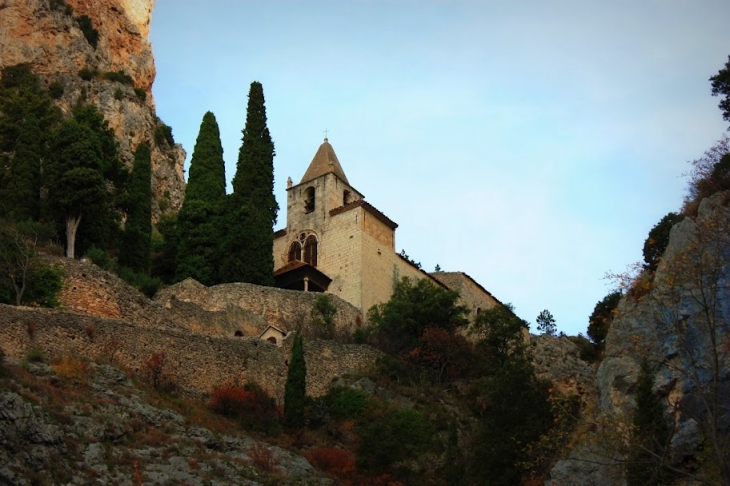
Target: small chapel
<point>336,242</point>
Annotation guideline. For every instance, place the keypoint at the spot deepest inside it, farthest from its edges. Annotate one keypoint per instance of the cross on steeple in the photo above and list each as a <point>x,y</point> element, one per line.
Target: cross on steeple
<point>325,134</point>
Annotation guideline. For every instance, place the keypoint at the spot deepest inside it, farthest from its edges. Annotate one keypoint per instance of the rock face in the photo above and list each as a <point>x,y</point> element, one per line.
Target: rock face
<point>52,42</point>
<point>681,325</point>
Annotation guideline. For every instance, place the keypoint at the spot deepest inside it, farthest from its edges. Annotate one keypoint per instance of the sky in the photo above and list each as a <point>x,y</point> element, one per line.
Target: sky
<point>530,144</point>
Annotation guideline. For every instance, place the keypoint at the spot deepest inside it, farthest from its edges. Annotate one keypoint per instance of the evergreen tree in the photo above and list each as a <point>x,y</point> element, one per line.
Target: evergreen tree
<point>75,184</point>
<point>295,390</point>
<point>650,449</point>
<point>252,208</point>
<point>20,195</point>
<point>135,250</point>
<point>198,224</point>
<point>546,323</point>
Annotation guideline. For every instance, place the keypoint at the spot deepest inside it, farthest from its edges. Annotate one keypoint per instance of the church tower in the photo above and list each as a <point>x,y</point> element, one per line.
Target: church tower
<point>328,228</point>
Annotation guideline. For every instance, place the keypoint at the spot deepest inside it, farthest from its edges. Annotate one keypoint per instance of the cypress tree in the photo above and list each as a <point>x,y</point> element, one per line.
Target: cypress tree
<point>295,390</point>
<point>252,208</point>
<point>198,223</point>
<point>135,250</point>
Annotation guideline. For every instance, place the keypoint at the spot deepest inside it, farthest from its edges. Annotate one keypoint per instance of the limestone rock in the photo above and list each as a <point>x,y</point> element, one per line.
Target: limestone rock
<point>52,42</point>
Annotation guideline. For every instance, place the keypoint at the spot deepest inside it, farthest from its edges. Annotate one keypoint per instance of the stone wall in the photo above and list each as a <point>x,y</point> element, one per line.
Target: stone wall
<point>471,294</point>
<point>246,307</point>
<point>197,362</point>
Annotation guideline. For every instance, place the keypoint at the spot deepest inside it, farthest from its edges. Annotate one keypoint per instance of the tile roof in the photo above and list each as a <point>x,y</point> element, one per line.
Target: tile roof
<point>324,162</point>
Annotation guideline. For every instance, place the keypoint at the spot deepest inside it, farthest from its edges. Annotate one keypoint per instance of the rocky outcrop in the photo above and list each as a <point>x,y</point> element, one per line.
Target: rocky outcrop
<point>46,35</point>
<point>99,428</point>
<point>681,325</point>
<point>557,359</point>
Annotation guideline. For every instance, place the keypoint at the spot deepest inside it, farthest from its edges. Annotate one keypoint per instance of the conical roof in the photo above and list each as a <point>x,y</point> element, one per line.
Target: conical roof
<point>324,162</point>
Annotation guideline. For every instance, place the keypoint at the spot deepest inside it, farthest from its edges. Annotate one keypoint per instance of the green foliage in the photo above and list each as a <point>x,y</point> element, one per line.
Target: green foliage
<point>546,323</point>
<point>602,316</point>
<point>87,27</point>
<point>252,209</point>
<point>164,248</point>
<point>136,239</point>
<point>119,77</point>
<point>347,403</point>
<point>199,223</point>
<point>323,317</point>
<point>721,87</point>
<point>100,258</point>
<point>87,74</point>
<point>24,279</point>
<point>658,239</point>
<point>55,89</point>
<point>118,94</point>
<point>650,450</point>
<point>587,350</point>
<point>141,94</point>
<point>295,390</point>
<point>163,134</point>
<point>35,355</point>
<point>393,435</point>
<point>500,336</point>
<point>411,309</point>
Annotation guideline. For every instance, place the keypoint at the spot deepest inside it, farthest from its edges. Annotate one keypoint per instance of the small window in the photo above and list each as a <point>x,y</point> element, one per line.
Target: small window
<point>479,310</point>
<point>295,251</point>
<point>346,197</point>
<point>309,200</point>
<point>272,340</point>
<point>238,334</point>
<point>310,250</point>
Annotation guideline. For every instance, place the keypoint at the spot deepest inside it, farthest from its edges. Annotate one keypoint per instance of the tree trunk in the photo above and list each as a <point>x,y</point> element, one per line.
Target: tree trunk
<point>72,224</point>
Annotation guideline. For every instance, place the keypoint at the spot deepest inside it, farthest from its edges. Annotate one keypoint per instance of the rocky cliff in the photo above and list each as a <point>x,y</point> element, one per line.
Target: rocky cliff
<point>47,35</point>
<point>681,325</point>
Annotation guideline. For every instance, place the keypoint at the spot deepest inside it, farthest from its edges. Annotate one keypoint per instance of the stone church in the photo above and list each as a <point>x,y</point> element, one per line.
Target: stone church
<point>336,242</point>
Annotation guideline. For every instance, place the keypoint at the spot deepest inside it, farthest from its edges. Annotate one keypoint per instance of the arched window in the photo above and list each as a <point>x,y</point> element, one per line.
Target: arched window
<point>310,250</point>
<point>238,334</point>
<point>346,196</point>
<point>295,251</point>
<point>272,340</point>
<point>479,310</point>
<point>309,200</point>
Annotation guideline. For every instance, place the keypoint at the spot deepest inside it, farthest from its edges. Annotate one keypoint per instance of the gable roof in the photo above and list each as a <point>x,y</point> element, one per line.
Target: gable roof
<point>324,162</point>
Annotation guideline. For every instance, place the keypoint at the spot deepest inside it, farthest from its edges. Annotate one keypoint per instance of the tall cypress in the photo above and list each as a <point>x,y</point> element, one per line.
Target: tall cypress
<point>135,251</point>
<point>20,195</point>
<point>252,208</point>
<point>198,223</point>
<point>295,390</point>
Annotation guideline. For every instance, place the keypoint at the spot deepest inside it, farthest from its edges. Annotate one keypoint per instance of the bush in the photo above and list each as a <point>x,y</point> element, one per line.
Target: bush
<point>87,74</point>
<point>71,367</point>
<point>156,371</point>
<point>392,437</point>
<point>250,405</point>
<point>141,94</point>
<point>87,27</point>
<point>44,286</point>
<point>334,461</point>
<point>163,134</point>
<point>347,403</point>
<point>587,350</point>
<point>118,94</point>
<point>141,281</point>
<point>35,355</point>
<point>55,89</point>
<point>119,77</point>
<point>100,258</point>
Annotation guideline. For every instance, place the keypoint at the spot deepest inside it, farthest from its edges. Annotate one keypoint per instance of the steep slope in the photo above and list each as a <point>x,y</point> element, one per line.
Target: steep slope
<point>681,325</point>
<point>47,34</point>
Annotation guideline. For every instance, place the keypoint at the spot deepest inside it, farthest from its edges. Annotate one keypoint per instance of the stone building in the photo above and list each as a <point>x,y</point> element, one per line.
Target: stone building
<point>336,242</point>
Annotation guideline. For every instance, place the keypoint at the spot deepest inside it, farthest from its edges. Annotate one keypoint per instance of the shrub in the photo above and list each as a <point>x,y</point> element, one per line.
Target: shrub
<point>55,89</point>
<point>141,94</point>
<point>118,94</point>
<point>587,350</point>
<point>119,77</point>
<point>100,258</point>
<point>44,286</point>
<point>323,317</point>
<point>155,371</point>
<point>35,355</point>
<point>87,27</point>
<point>163,134</point>
<point>262,457</point>
<point>347,403</point>
<point>250,405</point>
<point>335,461</point>
<point>87,74</point>
<point>141,281</point>
<point>70,367</point>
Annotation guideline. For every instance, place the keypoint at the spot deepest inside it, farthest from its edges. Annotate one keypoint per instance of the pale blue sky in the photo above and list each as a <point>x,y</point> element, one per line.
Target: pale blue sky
<point>530,144</point>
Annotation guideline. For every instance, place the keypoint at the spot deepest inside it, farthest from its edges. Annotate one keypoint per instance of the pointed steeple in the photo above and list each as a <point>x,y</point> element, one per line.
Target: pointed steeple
<point>324,162</point>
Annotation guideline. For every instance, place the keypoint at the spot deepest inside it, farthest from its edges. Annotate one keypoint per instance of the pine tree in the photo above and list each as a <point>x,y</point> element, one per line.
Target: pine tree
<point>198,224</point>
<point>135,250</point>
<point>252,208</point>
<point>20,195</point>
<point>295,390</point>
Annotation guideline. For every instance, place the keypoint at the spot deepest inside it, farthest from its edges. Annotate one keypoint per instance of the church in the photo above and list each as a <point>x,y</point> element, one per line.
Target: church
<point>336,242</point>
